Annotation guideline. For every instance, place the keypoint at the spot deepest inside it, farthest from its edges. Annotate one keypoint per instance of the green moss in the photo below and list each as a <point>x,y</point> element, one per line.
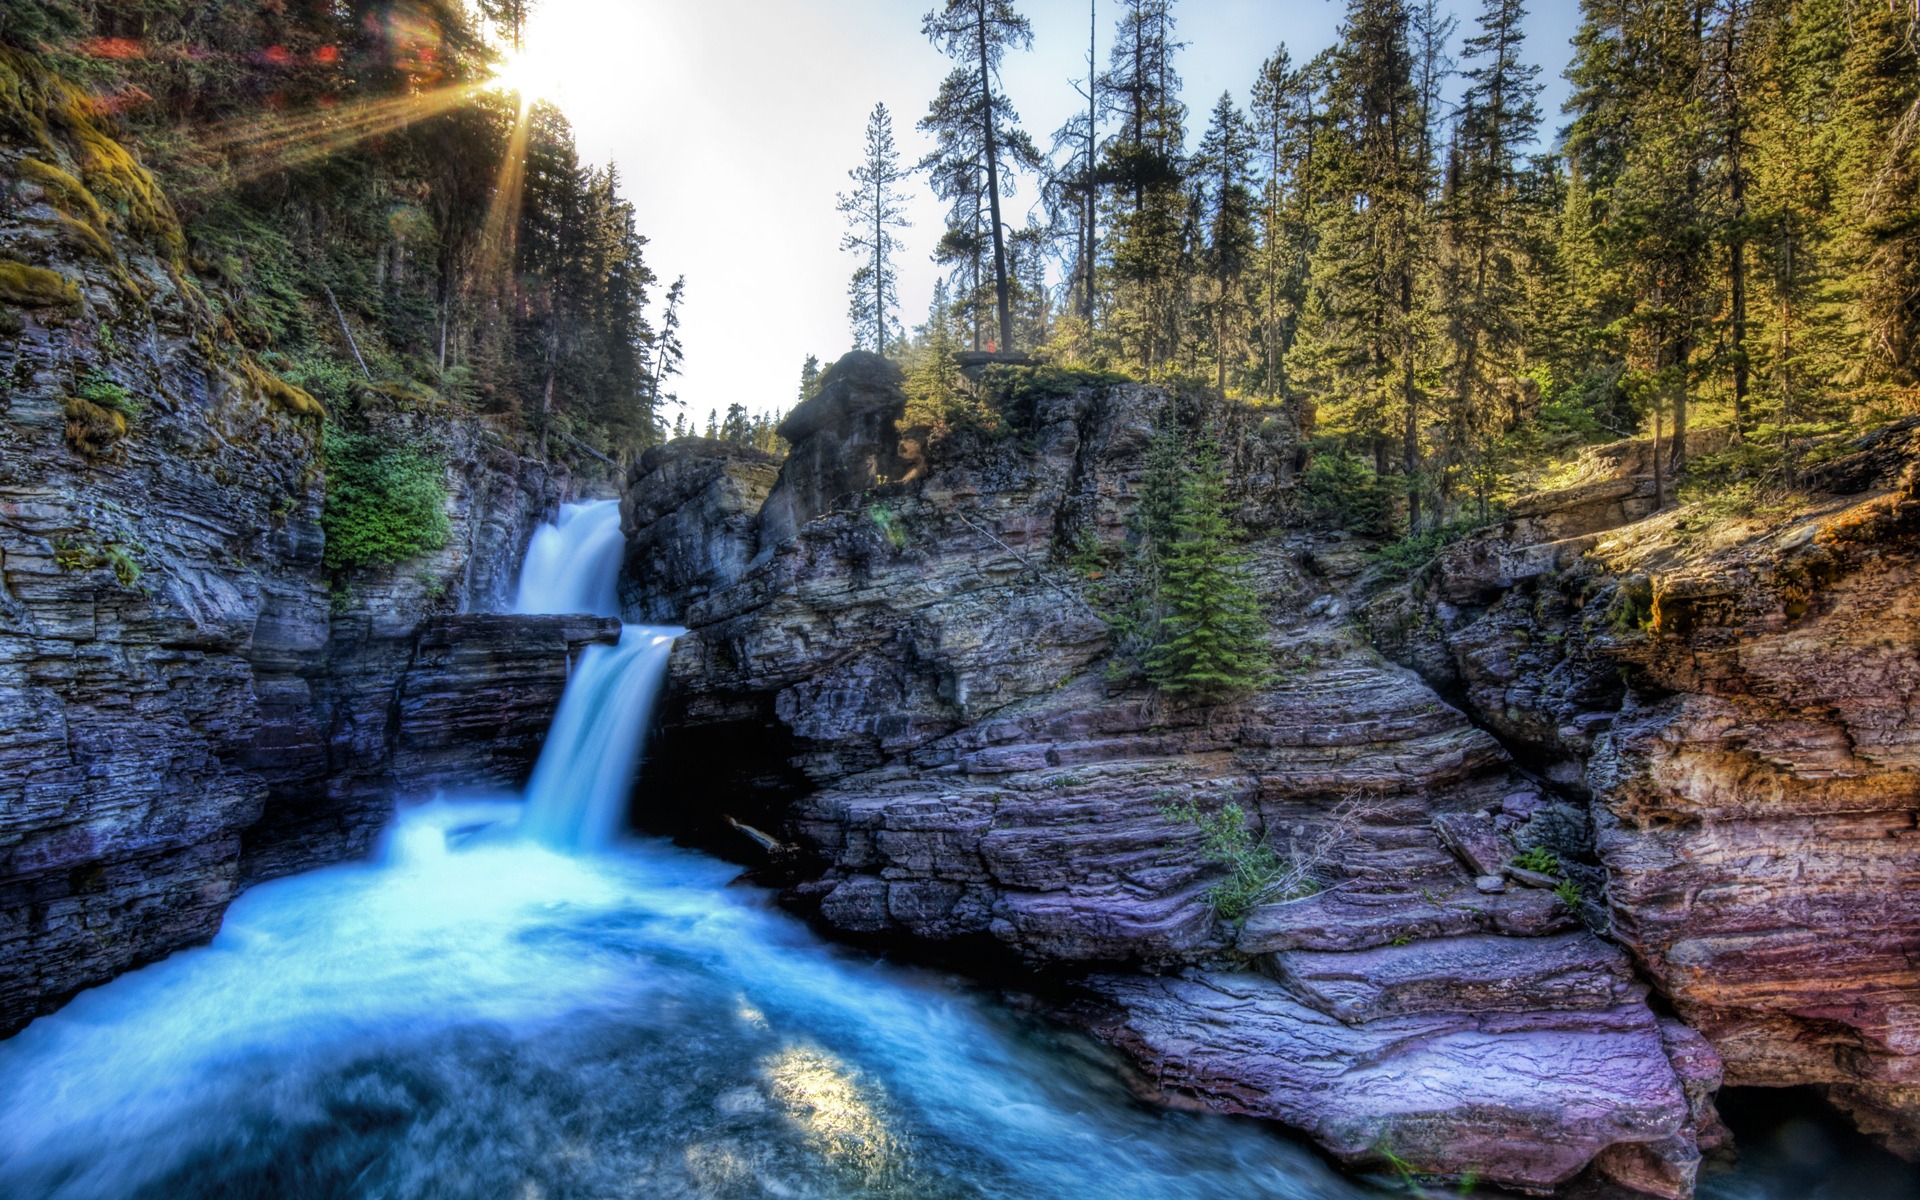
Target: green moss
<point>37,287</point>
<point>91,429</point>
<point>386,501</point>
<point>69,193</point>
<point>282,394</point>
<point>98,387</point>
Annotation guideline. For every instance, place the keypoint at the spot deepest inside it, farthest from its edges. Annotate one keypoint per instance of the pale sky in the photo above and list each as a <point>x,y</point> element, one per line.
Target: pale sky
<point>734,123</point>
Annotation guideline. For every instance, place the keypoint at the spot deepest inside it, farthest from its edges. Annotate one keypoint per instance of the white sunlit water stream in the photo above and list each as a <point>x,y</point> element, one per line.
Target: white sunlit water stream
<point>513,1001</point>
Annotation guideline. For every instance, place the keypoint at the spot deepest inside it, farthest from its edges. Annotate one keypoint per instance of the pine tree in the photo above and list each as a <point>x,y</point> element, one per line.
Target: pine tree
<point>1482,288</point>
<point>1223,169</point>
<point>664,361</point>
<point>1361,339</point>
<point>979,140</point>
<point>1211,641</point>
<point>874,210</point>
<point>810,378</point>
<point>1283,120</point>
<point>1642,139</point>
<point>1144,170</point>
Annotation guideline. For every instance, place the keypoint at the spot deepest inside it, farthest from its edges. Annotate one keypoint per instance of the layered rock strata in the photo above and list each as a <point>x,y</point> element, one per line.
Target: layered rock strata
<point>1733,698</point>
<point>186,703</point>
<point>959,765</point>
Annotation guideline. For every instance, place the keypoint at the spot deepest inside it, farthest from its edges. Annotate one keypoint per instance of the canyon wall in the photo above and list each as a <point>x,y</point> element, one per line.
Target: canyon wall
<point>1735,699</point>
<point>188,702</point>
<point>907,678</point>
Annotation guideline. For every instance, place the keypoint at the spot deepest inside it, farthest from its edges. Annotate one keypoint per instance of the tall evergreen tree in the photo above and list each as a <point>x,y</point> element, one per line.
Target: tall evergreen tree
<point>1482,289</point>
<point>874,210</point>
<point>1144,170</point>
<point>1223,170</point>
<point>1365,306</point>
<point>1211,637</point>
<point>1642,138</point>
<point>1283,113</point>
<point>978,131</point>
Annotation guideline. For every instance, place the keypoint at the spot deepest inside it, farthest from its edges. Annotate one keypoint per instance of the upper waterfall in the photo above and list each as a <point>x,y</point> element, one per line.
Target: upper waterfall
<point>573,565</point>
<point>577,797</point>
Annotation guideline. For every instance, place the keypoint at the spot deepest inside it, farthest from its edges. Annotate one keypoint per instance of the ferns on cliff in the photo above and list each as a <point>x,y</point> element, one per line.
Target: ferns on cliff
<point>386,501</point>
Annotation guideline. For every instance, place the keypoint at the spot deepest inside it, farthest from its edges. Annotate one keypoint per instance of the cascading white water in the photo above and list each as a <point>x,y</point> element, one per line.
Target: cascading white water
<point>579,788</point>
<point>578,792</point>
<point>573,565</point>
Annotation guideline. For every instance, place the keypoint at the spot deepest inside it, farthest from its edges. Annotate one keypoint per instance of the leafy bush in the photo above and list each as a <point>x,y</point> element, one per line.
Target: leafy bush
<point>1342,491</point>
<point>1256,873</point>
<point>1253,869</point>
<point>1416,550</point>
<point>386,501</point>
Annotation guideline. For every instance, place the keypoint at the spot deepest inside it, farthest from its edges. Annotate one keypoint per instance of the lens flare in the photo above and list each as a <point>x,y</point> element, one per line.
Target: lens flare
<point>530,76</point>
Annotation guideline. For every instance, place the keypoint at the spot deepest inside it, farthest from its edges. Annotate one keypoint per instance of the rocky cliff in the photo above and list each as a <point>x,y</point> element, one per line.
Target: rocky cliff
<point>187,702</point>
<point>1733,697</point>
<point>897,673</point>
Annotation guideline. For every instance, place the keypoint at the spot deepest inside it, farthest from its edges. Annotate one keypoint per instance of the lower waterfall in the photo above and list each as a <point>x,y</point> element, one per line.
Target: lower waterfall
<point>514,1001</point>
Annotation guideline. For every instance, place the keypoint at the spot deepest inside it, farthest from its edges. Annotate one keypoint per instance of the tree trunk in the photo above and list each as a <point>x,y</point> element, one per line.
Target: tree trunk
<point>1002,299</point>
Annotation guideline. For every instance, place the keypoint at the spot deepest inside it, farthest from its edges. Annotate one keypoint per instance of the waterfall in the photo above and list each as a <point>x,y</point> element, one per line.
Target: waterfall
<point>573,565</point>
<point>578,793</point>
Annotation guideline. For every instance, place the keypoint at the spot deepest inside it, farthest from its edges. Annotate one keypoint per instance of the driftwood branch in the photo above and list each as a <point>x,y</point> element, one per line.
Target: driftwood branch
<point>1024,561</point>
<point>583,448</point>
<point>355,346</point>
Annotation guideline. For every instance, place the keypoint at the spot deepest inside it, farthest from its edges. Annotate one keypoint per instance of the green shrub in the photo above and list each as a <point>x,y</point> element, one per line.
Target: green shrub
<point>1569,893</point>
<point>386,501</point>
<point>1416,550</point>
<point>1254,872</point>
<point>1342,492</point>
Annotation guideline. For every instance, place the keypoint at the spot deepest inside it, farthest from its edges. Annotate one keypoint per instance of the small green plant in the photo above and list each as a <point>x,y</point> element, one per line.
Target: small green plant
<point>1066,781</point>
<point>98,387</point>
<point>120,557</point>
<point>890,525</point>
<point>1569,893</point>
<point>1254,871</point>
<point>1403,940</point>
<point>1413,552</point>
<point>1539,859</point>
<point>386,501</point>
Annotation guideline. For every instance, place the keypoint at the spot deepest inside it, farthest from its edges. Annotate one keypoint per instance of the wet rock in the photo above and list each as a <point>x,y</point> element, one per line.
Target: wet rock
<point>1524,1099</point>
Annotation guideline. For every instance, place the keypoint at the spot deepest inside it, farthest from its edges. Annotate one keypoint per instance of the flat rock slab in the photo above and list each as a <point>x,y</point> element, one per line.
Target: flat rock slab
<point>1350,919</point>
<point>1524,1100</point>
<point>1478,973</point>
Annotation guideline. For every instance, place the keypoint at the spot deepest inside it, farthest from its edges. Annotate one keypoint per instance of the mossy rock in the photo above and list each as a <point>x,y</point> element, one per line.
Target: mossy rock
<point>281,394</point>
<point>69,193</point>
<point>37,287</point>
<point>91,429</point>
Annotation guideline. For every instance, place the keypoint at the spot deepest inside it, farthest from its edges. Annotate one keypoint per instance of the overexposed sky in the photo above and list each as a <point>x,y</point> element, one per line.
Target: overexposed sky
<point>734,123</point>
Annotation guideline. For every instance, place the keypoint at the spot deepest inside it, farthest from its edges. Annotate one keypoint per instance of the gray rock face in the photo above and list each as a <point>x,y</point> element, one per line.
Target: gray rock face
<point>692,515</point>
<point>957,767</point>
<point>844,442</point>
<point>1752,799</point>
<point>184,707</point>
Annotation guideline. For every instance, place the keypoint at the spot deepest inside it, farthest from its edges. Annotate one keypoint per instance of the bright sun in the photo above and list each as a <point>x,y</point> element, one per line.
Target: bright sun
<point>532,76</point>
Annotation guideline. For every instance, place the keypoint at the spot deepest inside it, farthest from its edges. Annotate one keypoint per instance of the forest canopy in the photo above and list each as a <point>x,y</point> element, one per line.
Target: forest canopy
<point>1445,286</point>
